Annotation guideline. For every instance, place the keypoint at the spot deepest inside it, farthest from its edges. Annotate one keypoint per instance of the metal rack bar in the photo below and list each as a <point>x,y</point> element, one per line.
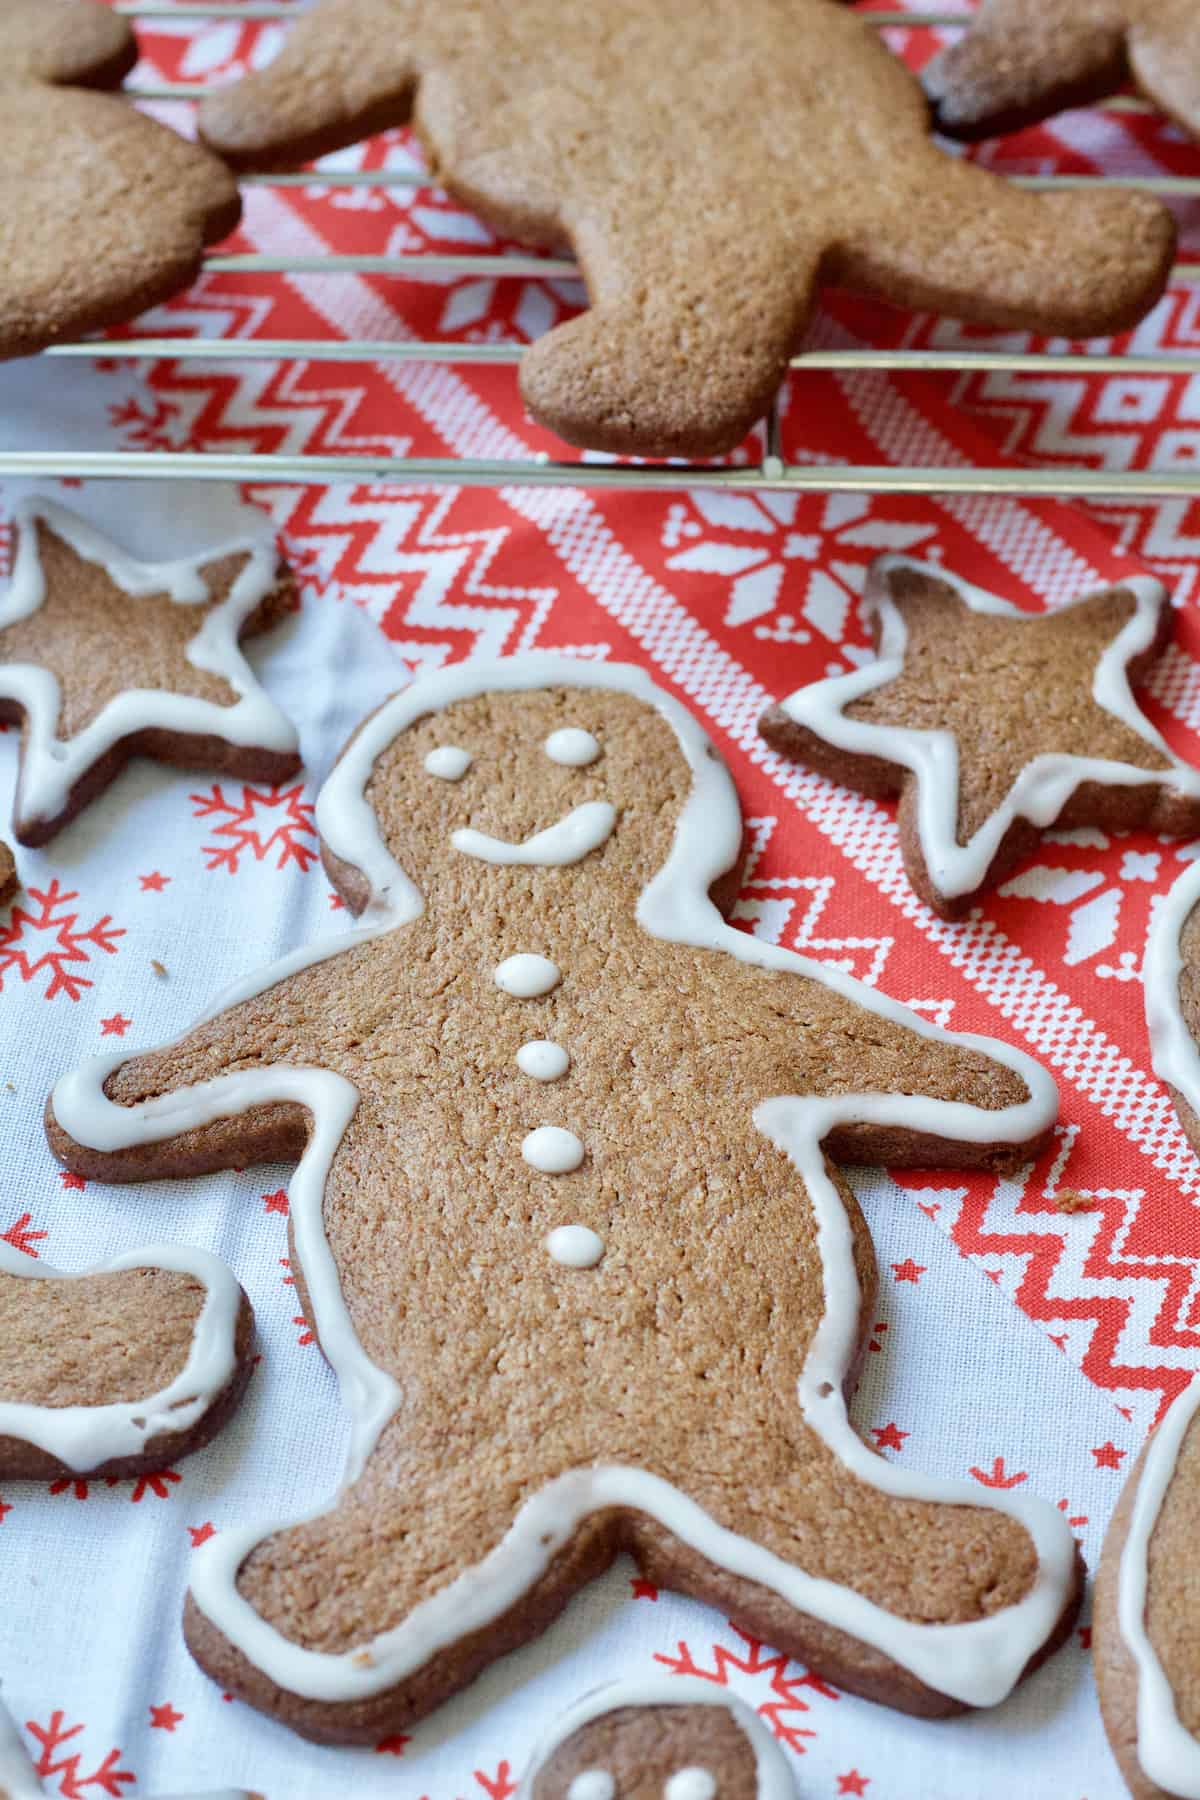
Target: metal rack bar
<point>257,11</point>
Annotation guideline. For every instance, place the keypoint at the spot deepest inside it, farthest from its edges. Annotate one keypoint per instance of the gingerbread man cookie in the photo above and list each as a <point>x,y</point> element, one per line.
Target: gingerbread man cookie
<point>120,1368</point>
<point>103,657</point>
<point>19,1779</point>
<point>1022,60</point>
<point>75,43</point>
<point>659,1738</point>
<point>710,167</point>
<point>565,1227</point>
<point>1171,986</point>
<point>994,724</point>
<point>1145,1645</point>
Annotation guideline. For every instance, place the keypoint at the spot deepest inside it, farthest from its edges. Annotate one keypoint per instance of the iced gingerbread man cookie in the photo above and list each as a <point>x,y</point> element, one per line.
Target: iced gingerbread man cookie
<point>711,167</point>
<point>103,657</point>
<point>1024,59</point>
<point>565,1227</point>
<point>1171,987</point>
<point>659,1738</point>
<point>118,1369</point>
<point>994,724</point>
<point>1146,1637</point>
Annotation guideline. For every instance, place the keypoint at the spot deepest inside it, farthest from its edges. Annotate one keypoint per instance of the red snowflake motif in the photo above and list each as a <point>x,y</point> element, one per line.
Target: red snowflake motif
<point>108,1777</point>
<point>200,1534</point>
<point>756,1662</point>
<point>146,425</point>
<point>1078,1519</point>
<point>4,1511</point>
<point>70,1484</point>
<point>21,954</point>
<point>499,1786</point>
<point>998,1477</point>
<point>20,1236</point>
<point>151,1484</point>
<point>291,837</point>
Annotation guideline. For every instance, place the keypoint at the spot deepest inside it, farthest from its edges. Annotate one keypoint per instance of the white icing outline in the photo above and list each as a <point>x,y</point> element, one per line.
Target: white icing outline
<point>568,840</point>
<point>83,1438</point>
<point>1174,1054</point>
<point>1044,785</point>
<point>977,1663</point>
<point>51,767</point>
<point>775,1781</point>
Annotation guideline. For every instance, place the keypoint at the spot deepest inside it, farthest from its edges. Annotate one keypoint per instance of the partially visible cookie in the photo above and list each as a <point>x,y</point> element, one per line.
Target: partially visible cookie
<point>76,43</point>
<point>712,167</point>
<point>103,657</point>
<point>659,1738</point>
<point>1022,60</point>
<point>8,874</point>
<point>105,213</point>
<point>994,724</point>
<point>1146,1634</point>
<point>121,1368</point>
<point>1171,989</point>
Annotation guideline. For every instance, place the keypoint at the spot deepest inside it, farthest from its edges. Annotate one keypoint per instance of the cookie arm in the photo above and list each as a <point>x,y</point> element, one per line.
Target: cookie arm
<point>346,70</point>
<point>1164,54</point>
<point>1022,60</point>
<point>961,242</point>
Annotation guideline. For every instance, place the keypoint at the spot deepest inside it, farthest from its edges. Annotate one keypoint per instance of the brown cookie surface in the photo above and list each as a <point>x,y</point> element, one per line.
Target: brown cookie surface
<point>993,724</point>
<point>659,1739</point>
<point>638,136</point>
<point>77,43</point>
<point>1150,1571</point>
<point>119,1369</point>
<point>9,881</point>
<point>105,213</point>
<point>1021,61</point>
<point>565,1227</point>
<point>103,658</point>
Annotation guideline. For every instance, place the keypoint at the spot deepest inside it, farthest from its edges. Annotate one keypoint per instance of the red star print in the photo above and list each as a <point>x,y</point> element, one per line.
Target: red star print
<point>336,903</point>
<point>643,1590</point>
<point>200,1534</point>
<point>1108,1456</point>
<point>391,1746</point>
<point>154,883</point>
<point>889,1437</point>
<point>117,1026</point>
<point>853,1783</point>
<point>907,1270</point>
<point>276,1202</point>
<point>70,1180</point>
<point>4,1511</point>
<point>164,1717</point>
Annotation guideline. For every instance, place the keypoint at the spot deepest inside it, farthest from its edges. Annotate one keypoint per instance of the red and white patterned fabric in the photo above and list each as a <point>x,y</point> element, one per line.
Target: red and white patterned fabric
<point>1015,1344</point>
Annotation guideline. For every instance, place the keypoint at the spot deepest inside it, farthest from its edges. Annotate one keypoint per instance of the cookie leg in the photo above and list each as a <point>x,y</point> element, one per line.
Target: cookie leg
<point>1022,60</point>
<point>1164,54</point>
<point>1077,264</point>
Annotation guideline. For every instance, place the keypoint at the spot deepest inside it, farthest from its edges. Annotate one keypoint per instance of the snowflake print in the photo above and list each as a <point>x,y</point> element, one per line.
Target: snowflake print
<point>149,425</point>
<point>785,1699</point>
<point>21,1237</point>
<point>108,1777</point>
<point>63,946</point>
<point>272,825</point>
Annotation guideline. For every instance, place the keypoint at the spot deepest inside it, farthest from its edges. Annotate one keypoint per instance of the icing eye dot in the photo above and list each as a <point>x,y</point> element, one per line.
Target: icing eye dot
<point>448,762</point>
<point>690,1784</point>
<point>572,747</point>
<point>552,1150</point>
<point>575,1246</point>
<point>592,1784</point>
<point>543,1060</point>
<point>525,976</point>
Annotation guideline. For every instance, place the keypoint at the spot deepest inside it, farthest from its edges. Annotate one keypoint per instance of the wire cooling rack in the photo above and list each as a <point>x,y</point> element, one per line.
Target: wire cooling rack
<point>770,472</point>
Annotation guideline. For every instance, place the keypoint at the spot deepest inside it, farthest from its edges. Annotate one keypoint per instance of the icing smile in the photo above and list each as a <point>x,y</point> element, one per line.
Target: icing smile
<point>568,840</point>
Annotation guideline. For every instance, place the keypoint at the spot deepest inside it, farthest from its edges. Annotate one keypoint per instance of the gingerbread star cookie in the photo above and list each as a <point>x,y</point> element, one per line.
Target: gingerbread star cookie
<point>77,43</point>
<point>1145,1643</point>
<point>118,1369</point>
<point>710,166</point>
<point>659,1738</point>
<point>565,1227</point>
<point>994,724</point>
<point>1022,60</point>
<point>103,657</point>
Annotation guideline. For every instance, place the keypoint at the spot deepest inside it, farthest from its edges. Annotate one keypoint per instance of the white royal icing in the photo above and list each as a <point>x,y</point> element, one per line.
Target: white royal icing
<point>543,1060</point>
<point>527,976</point>
<point>50,767</point>
<point>1168,1753</point>
<point>552,1150</point>
<point>448,762</point>
<point>567,841</point>
<point>690,1784</point>
<point>19,1782</point>
<point>1044,785</point>
<point>592,1784</point>
<point>977,1663</point>
<point>572,746</point>
<point>774,1776</point>
<point>575,1246</point>
<point>85,1437</point>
